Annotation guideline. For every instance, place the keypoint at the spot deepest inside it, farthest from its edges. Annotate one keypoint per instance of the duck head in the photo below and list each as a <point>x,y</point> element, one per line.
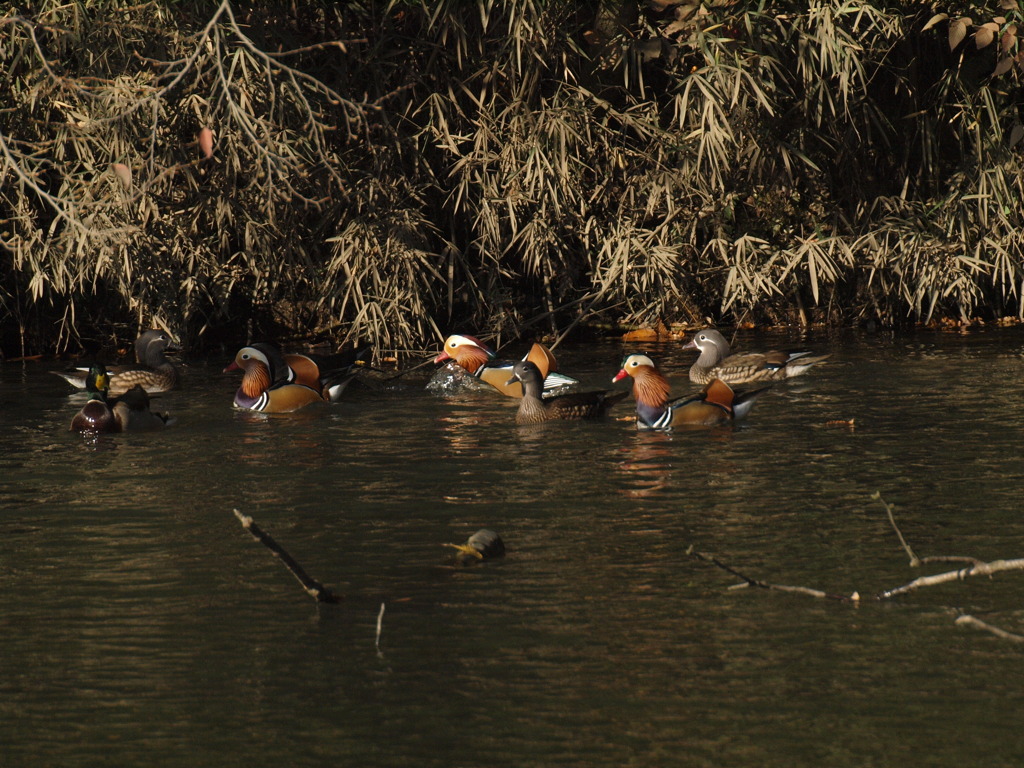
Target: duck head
<point>467,351</point>
<point>263,366</point>
<point>650,388</point>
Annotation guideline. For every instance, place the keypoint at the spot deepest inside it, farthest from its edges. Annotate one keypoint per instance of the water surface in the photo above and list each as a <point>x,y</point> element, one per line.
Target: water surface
<point>142,626</point>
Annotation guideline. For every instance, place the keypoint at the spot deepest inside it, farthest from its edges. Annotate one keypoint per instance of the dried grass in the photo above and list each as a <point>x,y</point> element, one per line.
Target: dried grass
<point>393,173</point>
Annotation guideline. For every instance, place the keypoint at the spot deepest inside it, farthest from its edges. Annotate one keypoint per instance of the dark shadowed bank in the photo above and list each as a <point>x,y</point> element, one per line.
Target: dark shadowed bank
<point>392,171</point>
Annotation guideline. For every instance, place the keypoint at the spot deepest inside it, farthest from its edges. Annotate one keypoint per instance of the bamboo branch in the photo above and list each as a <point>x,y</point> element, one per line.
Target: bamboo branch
<point>313,587</point>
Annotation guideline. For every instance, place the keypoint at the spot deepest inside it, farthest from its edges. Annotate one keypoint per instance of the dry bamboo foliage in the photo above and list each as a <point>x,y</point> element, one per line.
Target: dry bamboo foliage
<point>276,167</point>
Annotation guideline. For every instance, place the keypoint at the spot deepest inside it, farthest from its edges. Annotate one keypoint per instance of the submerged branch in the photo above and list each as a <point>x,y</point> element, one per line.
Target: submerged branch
<point>313,587</point>
<point>749,581</point>
<point>970,621</point>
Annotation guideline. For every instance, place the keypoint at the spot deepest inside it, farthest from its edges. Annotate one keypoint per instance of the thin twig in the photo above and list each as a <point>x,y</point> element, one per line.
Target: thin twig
<point>313,587</point>
<point>915,561</point>
<point>752,582</point>
<point>380,621</point>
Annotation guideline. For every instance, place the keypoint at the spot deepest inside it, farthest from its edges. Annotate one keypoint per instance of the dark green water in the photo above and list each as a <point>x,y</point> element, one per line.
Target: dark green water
<point>141,625</point>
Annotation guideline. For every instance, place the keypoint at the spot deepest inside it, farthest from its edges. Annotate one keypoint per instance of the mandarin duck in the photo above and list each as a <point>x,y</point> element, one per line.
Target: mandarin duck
<point>127,413</point>
<point>479,360</point>
<point>158,374</point>
<point>575,405</point>
<point>717,404</point>
<point>715,362</point>
<point>276,383</point>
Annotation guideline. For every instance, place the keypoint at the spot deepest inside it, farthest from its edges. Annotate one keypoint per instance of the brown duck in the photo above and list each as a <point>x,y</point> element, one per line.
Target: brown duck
<point>716,362</point>
<point>577,405</point>
<point>153,372</point>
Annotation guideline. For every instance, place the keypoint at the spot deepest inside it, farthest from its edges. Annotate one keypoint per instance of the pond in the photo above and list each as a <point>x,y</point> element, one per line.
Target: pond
<point>143,626</point>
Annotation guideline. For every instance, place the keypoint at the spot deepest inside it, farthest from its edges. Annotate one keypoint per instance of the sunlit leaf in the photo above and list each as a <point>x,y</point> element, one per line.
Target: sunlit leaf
<point>1008,39</point>
<point>986,34</point>
<point>958,31</point>
<point>934,20</point>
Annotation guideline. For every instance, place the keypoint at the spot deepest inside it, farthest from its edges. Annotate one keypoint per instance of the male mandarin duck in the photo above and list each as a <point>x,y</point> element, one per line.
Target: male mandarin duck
<point>715,362</point>
<point>533,409</point>
<point>479,360</point>
<point>128,413</point>
<point>158,374</point>
<point>276,383</point>
<point>717,404</point>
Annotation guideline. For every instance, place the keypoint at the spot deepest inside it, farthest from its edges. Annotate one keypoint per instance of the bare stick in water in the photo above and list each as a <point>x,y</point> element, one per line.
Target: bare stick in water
<point>977,569</point>
<point>914,559</point>
<point>752,582</point>
<point>313,587</point>
<point>380,621</point>
<point>970,621</point>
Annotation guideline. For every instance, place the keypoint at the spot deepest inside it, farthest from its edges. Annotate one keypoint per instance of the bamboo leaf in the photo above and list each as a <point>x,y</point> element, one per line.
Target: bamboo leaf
<point>938,17</point>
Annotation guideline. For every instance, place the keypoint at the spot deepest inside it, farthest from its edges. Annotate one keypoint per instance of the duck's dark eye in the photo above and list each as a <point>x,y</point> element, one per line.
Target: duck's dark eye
<point>245,357</point>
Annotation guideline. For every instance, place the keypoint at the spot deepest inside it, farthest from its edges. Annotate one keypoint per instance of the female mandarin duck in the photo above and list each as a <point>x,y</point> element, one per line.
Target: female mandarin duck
<point>277,383</point>
<point>479,360</point>
<point>717,404</point>
<point>129,412</point>
<point>157,374</point>
<point>715,362</point>
<point>533,409</point>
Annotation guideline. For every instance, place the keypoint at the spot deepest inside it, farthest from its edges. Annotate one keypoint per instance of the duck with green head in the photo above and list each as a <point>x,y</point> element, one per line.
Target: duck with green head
<point>129,412</point>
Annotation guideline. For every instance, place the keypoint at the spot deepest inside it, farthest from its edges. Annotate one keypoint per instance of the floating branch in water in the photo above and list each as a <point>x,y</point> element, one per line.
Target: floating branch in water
<point>970,621</point>
<point>752,582</point>
<point>976,569</point>
<point>313,587</point>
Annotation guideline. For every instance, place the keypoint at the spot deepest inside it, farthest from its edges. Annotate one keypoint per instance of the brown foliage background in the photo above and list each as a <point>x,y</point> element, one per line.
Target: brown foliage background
<point>396,171</point>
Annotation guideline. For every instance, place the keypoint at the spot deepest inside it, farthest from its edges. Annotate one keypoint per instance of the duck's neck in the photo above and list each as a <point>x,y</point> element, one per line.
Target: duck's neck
<point>255,381</point>
<point>650,388</point>
<point>471,358</point>
<point>531,410</point>
<point>710,356</point>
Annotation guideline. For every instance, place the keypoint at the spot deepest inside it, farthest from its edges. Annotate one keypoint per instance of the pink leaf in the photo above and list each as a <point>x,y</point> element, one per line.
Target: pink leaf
<point>206,142</point>
<point>123,173</point>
